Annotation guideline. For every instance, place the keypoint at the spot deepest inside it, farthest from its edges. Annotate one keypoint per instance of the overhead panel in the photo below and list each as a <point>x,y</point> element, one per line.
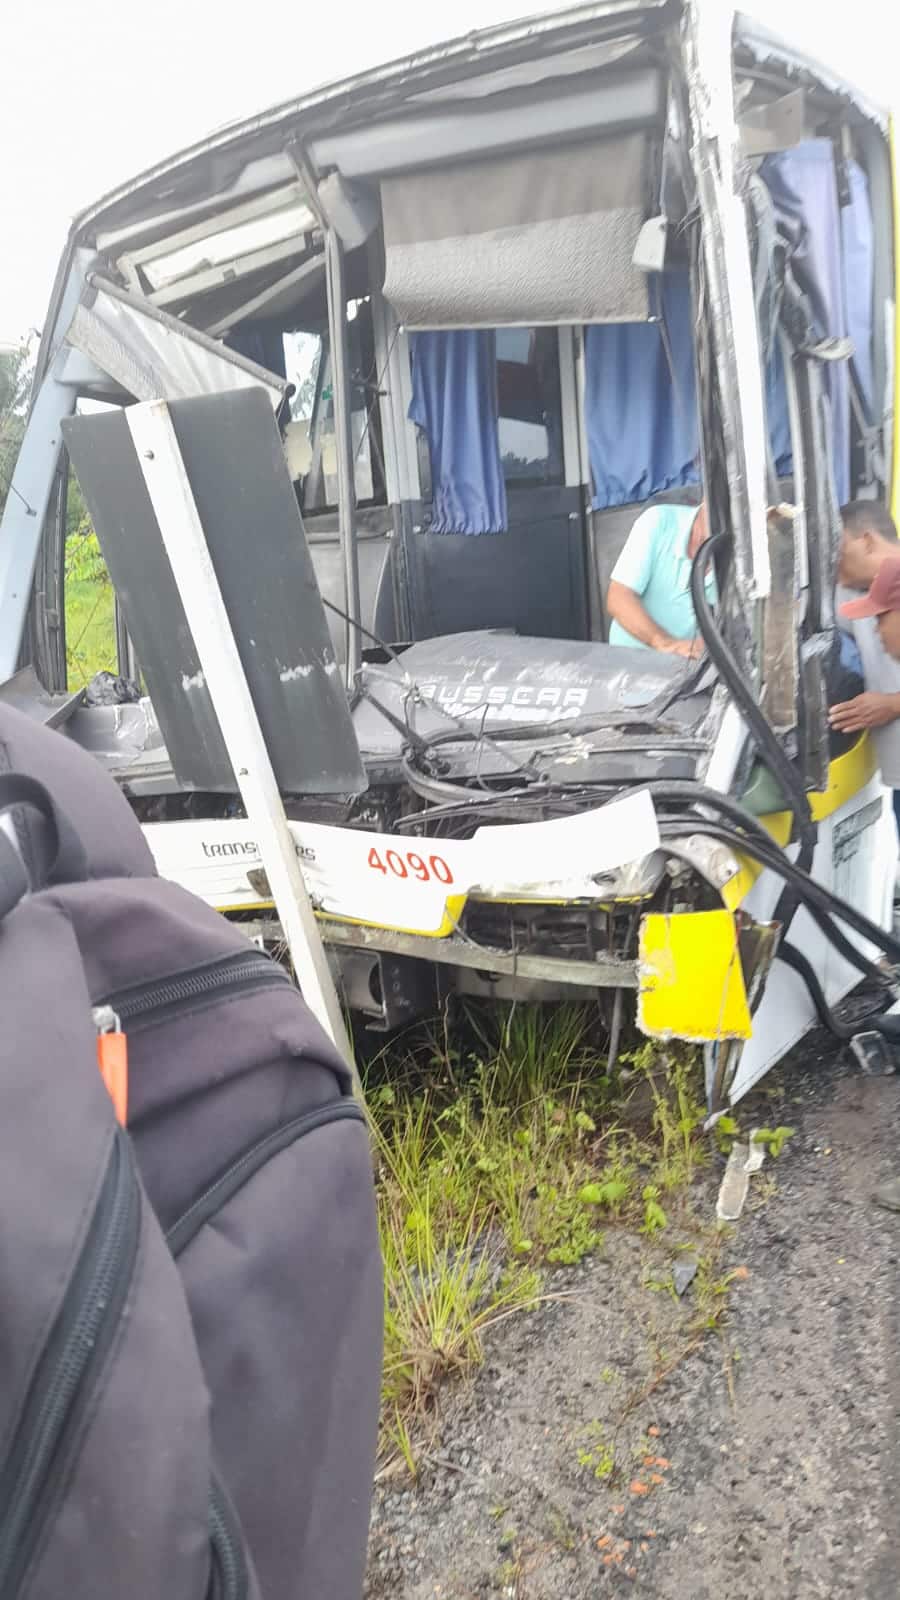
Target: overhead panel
<point>153,356</point>
<point>544,236</point>
<point>616,102</point>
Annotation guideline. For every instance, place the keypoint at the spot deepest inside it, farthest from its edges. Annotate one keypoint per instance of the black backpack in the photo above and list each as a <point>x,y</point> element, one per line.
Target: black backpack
<point>190,1305</point>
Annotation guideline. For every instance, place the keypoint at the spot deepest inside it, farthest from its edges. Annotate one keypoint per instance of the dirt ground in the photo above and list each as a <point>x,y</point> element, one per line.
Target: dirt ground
<point>767,1464</point>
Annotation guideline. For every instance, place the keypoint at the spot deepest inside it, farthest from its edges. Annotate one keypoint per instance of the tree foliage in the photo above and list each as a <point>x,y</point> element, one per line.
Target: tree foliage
<point>16,371</point>
<point>15,383</point>
<point>15,379</point>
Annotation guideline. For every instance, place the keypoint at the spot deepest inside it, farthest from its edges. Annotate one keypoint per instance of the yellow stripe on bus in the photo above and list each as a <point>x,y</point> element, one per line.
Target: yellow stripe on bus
<point>847,775</point>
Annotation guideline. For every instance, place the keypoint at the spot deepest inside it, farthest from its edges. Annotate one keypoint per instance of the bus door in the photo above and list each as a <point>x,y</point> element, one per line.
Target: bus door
<point>508,549</point>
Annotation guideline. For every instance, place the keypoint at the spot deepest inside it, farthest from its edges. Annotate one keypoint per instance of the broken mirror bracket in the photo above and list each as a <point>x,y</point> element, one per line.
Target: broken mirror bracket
<point>876,1056</point>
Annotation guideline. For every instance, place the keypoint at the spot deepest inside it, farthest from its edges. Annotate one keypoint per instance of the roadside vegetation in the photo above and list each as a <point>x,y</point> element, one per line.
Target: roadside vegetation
<point>90,608</point>
<point>505,1153</point>
<point>89,603</point>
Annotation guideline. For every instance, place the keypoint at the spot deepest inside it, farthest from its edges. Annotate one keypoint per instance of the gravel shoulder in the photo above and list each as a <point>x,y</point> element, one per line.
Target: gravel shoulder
<point>766,1463</point>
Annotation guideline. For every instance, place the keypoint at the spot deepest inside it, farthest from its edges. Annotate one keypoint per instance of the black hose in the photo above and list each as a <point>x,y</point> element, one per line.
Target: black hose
<point>434,789</point>
<point>767,744</point>
<point>887,1023</point>
<point>832,933</point>
<point>774,857</point>
<point>798,963</point>
<point>752,840</point>
<point>507,806</point>
<point>775,758</point>
<point>568,798</point>
<point>845,947</point>
<point>699,794</point>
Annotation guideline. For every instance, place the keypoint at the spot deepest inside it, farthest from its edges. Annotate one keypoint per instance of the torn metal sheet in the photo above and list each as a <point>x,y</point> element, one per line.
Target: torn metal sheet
<point>756,1154</point>
<point>556,854</point>
<point>27,694</point>
<point>691,982</point>
<point>875,1055</point>
<point>707,45</point>
<point>780,642</point>
<point>734,1186</point>
<point>743,1161</point>
<point>409,884</point>
<point>753,40</point>
<point>153,356</point>
<point>232,459</point>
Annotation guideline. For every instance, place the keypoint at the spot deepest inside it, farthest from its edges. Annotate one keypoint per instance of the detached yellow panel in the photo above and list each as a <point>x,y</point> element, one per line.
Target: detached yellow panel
<point>690,981</point>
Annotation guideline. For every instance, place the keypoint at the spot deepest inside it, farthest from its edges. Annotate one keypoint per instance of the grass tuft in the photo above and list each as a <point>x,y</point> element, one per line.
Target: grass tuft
<point>500,1159</point>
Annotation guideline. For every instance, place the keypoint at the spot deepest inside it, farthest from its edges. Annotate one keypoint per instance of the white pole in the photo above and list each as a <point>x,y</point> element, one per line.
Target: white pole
<point>185,542</point>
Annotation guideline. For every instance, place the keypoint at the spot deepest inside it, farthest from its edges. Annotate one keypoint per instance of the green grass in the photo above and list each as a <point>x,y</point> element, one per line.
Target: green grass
<point>90,610</point>
<point>90,631</point>
<point>500,1160</point>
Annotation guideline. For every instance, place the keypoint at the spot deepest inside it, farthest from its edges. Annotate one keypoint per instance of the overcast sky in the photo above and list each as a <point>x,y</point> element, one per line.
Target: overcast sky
<point>92,93</point>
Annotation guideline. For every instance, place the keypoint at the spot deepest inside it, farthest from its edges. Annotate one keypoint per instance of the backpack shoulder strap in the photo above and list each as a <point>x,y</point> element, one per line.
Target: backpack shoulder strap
<point>66,858</point>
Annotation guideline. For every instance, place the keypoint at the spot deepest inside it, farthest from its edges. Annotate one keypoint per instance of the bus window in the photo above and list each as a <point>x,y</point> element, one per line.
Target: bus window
<point>302,355</point>
<point>314,405</point>
<point>528,401</point>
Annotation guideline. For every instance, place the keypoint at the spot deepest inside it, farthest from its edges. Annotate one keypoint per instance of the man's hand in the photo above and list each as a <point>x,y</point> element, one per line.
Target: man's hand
<point>691,648</point>
<point>627,608</point>
<point>868,710</point>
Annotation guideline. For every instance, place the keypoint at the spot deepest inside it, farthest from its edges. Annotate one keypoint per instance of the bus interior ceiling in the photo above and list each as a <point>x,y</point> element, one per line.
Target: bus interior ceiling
<point>522,368</point>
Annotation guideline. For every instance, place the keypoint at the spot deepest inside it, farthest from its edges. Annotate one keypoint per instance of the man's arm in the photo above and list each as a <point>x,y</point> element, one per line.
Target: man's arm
<point>869,710</point>
<point>628,610</point>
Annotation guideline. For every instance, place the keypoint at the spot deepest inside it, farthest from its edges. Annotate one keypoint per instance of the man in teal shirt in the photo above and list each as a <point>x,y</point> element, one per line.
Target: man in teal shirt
<point>649,595</point>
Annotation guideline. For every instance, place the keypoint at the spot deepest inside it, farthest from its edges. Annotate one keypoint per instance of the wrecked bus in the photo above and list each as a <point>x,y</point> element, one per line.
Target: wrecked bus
<point>502,296</point>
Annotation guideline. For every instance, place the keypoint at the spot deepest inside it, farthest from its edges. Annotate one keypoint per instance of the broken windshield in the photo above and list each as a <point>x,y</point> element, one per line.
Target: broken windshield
<point>312,447</point>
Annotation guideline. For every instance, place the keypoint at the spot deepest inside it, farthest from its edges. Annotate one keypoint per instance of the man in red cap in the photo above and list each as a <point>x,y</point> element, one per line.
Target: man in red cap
<point>883,603</point>
<point>869,542</point>
<point>869,539</point>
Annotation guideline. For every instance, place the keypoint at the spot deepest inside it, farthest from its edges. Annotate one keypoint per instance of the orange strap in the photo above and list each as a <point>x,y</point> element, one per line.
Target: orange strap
<point>112,1059</point>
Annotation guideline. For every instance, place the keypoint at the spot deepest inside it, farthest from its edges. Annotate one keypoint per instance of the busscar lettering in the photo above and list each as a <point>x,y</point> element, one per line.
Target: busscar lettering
<point>524,696</point>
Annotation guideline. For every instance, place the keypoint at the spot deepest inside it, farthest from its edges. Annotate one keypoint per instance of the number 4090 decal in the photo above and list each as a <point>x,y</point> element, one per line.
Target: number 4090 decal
<point>409,863</point>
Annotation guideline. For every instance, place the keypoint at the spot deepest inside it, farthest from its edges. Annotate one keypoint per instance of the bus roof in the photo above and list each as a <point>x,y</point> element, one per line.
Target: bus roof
<point>523,51</point>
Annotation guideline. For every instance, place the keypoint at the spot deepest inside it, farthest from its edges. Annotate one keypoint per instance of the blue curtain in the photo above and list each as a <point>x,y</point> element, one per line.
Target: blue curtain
<point>859,282</point>
<point>454,402</point>
<point>803,186</point>
<point>857,277</point>
<point>641,426</point>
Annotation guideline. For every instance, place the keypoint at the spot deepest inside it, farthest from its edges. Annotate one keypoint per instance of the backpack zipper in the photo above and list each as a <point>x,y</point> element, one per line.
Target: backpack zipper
<point>154,1002</point>
<point>69,1365</point>
<point>242,1170</point>
<point>228,1576</point>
